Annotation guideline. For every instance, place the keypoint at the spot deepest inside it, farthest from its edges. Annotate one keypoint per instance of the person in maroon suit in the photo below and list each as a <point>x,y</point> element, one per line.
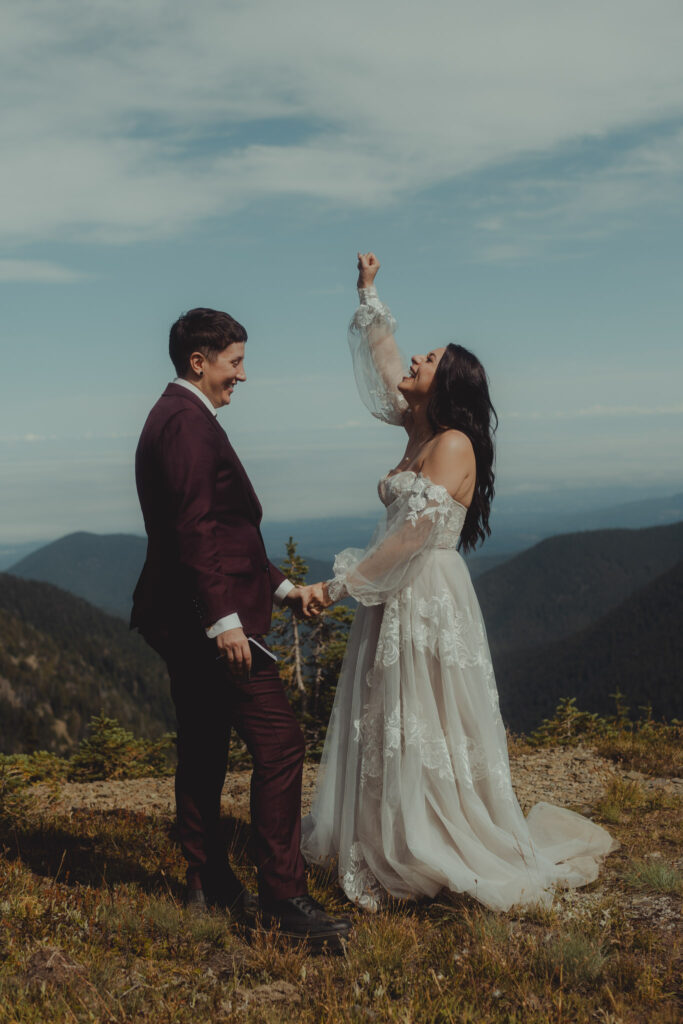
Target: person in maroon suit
<point>205,594</point>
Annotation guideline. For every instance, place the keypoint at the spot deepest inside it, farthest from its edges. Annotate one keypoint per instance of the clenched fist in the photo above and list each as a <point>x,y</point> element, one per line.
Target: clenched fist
<point>368,265</point>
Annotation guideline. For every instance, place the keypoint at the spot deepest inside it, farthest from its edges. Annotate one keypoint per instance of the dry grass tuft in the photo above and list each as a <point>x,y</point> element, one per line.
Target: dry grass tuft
<point>655,876</point>
<point>621,797</point>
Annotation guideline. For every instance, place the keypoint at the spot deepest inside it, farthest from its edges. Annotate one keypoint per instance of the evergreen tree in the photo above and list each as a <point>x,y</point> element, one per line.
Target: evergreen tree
<point>286,637</point>
<point>310,651</point>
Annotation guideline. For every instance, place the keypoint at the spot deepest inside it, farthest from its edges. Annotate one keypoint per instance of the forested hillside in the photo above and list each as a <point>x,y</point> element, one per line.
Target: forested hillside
<point>567,582</point>
<point>62,660</point>
<point>637,649</point>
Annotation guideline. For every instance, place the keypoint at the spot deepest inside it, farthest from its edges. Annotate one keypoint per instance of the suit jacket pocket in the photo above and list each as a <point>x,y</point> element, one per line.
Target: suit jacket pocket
<point>237,565</point>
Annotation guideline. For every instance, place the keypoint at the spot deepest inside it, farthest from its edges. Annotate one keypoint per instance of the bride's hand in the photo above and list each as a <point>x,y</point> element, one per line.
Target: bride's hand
<point>368,265</point>
<point>317,599</point>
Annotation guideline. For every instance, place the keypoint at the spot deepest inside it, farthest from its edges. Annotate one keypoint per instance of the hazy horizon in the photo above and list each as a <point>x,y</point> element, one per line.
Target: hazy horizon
<point>539,510</point>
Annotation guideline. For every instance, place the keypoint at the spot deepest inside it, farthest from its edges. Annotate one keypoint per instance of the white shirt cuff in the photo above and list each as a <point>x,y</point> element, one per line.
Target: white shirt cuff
<point>282,591</point>
<point>232,621</point>
<point>368,296</point>
<point>227,622</point>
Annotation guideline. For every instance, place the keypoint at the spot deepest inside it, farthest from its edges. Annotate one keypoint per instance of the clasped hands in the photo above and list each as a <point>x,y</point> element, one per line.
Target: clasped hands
<point>308,601</point>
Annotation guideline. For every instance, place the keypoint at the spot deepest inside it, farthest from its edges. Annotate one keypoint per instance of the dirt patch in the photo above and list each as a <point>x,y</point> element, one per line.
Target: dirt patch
<point>266,995</point>
<point>566,776</point>
<point>569,777</point>
<point>225,965</point>
<point>49,965</point>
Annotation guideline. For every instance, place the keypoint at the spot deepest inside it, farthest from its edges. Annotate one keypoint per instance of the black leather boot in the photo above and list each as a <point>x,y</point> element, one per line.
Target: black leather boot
<point>235,900</point>
<point>302,917</point>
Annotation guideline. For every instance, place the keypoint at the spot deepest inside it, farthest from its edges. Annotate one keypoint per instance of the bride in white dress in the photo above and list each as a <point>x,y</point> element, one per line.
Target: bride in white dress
<point>413,792</point>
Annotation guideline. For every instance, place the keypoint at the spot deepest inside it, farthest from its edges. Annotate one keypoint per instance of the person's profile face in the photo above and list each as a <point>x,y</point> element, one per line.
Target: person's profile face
<point>222,373</point>
<point>420,380</point>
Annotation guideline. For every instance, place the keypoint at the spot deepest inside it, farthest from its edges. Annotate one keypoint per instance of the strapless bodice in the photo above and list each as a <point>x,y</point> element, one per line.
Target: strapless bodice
<point>422,495</point>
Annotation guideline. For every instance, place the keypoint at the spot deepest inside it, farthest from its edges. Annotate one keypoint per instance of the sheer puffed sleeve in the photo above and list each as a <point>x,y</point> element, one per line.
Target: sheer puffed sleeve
<point>421,518</point>
<point>378,363</point>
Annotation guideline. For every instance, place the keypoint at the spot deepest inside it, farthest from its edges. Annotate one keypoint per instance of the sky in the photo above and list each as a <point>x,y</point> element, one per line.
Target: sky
<point>517,168</point>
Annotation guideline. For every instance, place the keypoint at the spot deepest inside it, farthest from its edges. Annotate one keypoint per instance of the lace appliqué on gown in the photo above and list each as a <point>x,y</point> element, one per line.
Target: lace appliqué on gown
<point>359,883</point>
<point>381,735</point>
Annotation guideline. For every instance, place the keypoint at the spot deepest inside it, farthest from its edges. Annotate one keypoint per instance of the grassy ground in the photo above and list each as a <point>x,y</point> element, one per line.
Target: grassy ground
<point>92,930</point>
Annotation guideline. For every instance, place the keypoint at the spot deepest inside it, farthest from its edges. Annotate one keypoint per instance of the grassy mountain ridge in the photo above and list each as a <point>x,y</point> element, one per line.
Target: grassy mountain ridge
<point>636,648</point>
<point>565,583</point>
<point>62,660</point>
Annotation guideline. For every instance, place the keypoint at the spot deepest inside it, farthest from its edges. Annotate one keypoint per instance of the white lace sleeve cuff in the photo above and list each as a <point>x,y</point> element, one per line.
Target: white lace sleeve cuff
<point>336,588</point>
<point>368,296</point>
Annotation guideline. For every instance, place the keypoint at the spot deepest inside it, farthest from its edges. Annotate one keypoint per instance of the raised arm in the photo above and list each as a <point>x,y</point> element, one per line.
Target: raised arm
<point>377,361</point>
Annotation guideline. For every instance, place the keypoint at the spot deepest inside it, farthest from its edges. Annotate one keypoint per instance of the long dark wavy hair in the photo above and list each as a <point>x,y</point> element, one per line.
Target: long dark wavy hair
<point>461,401</point>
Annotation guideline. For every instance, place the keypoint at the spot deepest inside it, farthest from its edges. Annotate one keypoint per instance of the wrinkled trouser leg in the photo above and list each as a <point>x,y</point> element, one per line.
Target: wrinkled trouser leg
<point>208,704</point>
<point>266,723</point>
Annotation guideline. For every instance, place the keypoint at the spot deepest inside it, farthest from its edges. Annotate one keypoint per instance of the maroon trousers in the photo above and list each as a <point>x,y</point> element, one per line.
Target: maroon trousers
<point>209,703</point>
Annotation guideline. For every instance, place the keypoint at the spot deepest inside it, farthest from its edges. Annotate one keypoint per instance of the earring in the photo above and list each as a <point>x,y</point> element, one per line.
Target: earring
<point>201,373</point>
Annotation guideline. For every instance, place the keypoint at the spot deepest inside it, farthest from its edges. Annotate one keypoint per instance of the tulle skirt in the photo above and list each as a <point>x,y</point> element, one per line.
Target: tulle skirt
<point>414,792</point>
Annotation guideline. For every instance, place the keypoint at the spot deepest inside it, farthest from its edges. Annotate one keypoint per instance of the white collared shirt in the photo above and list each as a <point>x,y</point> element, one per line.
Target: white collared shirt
<point>198,392</point>
<point>231,621</point>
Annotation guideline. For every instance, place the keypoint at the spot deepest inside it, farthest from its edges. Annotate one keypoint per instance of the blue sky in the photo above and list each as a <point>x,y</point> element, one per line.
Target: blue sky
<point>518,168</point>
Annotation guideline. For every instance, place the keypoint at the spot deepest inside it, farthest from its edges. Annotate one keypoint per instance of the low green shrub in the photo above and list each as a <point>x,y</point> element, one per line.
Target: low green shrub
<point>111,752</point>
<point>649,746</point>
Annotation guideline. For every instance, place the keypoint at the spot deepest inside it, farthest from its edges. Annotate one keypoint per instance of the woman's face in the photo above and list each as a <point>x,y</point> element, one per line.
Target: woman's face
<point>420,381</point>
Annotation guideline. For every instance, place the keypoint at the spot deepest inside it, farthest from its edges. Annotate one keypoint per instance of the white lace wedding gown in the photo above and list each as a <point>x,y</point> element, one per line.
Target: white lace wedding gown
<point>413,792</point>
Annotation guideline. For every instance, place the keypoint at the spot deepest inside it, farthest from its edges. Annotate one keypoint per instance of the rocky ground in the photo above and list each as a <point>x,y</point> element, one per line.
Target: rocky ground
<point>569,777</point>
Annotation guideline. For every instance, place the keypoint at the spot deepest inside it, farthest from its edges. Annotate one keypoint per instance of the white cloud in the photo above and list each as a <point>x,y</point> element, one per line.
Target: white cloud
<point>37,271</point>
<point>584,202</point>
<point>132,121</point>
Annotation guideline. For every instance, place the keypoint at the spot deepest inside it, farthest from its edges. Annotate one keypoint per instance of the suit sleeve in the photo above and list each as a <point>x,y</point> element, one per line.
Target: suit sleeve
<point>189,456</point>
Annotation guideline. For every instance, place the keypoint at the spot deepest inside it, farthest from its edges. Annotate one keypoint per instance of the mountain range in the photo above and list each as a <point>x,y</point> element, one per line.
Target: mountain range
<point>580,614</point>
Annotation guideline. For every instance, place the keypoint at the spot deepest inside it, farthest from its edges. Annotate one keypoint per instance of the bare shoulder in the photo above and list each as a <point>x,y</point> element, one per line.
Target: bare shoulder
<point>452,445</point>
<point>451,462</point>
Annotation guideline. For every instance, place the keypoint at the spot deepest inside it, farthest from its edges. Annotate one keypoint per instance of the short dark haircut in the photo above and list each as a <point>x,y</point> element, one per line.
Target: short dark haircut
<point>202,330</point>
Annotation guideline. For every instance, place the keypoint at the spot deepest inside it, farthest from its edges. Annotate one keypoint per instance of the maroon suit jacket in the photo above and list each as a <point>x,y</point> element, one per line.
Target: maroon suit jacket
<point>205,554</point>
